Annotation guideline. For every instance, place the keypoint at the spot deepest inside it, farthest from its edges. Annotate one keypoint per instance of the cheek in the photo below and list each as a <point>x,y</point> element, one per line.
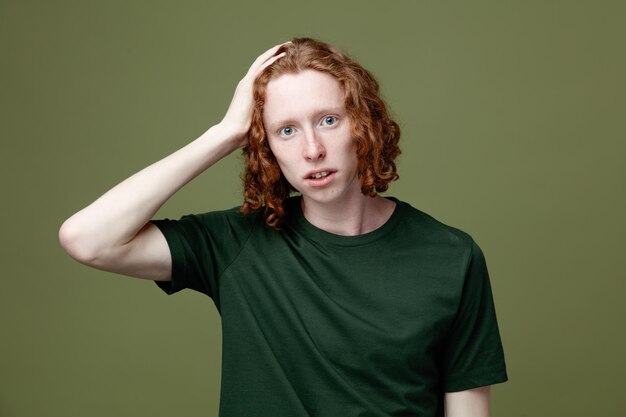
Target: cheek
<point>276,152</point>
<point>270,144</point>
<point>281,159</point>
<point>350,147</point>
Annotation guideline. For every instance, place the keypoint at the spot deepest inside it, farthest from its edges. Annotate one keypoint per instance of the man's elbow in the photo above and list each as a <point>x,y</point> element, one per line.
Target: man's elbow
<point>71,241</point>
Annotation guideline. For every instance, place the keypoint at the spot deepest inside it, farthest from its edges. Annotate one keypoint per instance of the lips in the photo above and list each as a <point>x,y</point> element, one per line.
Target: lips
<point>320,178</point>
<point>319,174</point>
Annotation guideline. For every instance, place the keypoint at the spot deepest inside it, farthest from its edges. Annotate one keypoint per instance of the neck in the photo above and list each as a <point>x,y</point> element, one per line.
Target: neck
<point>362,214</point>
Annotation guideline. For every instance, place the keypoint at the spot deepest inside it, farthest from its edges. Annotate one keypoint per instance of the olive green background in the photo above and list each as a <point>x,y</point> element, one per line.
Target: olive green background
<point>512,117</point>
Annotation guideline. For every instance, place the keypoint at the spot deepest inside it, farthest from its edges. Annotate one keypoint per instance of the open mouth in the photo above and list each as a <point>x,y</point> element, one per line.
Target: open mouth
<point>320,178</point>
<point>319,175</point>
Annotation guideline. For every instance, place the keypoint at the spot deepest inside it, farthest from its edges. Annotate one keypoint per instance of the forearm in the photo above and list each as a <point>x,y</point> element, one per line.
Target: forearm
<point>116,217</point>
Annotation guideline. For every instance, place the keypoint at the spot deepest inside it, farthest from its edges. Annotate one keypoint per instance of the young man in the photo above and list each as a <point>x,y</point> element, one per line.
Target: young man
<point>334,302</point>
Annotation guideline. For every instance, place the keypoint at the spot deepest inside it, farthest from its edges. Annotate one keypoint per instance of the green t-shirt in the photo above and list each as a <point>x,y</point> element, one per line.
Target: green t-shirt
<point>318,324</point>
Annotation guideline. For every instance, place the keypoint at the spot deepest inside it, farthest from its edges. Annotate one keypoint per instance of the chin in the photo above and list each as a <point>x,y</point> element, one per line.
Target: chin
<point>331,197</point>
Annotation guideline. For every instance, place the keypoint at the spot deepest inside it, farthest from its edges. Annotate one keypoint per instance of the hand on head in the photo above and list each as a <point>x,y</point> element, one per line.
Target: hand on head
<point>238,115</point>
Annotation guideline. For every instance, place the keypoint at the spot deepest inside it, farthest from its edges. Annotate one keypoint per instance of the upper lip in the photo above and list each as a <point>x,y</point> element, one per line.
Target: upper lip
<point>329,170</point>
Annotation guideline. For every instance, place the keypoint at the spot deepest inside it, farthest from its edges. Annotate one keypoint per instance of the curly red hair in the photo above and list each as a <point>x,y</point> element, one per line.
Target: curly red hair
<point>375,133</point>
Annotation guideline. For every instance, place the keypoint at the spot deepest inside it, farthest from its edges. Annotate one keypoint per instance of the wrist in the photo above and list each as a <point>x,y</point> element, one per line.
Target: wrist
<point>234,136</point>
<point>223,137</point>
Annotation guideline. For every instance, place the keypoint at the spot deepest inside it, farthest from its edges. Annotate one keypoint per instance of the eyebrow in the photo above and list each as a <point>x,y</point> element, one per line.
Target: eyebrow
<point>318,112</point>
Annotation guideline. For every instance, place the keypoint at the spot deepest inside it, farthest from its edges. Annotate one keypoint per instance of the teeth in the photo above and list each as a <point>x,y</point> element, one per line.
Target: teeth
<point>320,174</point>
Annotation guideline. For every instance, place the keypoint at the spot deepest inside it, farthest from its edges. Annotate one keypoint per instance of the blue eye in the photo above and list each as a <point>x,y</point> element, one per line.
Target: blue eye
<point>290,130</point>
<point>330,117</point>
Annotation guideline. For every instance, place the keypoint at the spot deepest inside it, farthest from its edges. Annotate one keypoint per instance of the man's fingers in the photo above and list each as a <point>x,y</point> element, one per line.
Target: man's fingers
<point>270,61</point>
<point>267,54</point>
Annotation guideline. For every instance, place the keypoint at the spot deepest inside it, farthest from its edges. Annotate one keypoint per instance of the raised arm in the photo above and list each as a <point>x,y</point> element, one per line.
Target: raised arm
<point>114,233</point>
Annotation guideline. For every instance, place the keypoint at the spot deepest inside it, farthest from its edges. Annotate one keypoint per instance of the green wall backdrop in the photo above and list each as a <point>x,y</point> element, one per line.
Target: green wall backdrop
<point>512,117</point>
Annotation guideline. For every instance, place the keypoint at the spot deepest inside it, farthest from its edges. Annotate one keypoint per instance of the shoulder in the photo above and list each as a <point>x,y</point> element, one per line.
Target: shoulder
<point>226,222</point>
<point>433,230</point>
<point>449,240</point>
<point>219,223</point>
<point>231,215</point>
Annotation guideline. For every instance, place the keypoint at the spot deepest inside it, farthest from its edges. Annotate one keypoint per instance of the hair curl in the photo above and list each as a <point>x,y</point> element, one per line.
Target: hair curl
<point>375,133</point>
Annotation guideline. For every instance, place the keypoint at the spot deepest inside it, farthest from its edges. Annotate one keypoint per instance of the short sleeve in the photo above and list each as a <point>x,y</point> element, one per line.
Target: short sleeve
<point>473,354</point>
<point>202,246</point>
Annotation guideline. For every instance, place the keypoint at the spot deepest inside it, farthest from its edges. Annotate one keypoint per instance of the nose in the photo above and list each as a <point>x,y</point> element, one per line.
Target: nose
<point>313,148</point>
